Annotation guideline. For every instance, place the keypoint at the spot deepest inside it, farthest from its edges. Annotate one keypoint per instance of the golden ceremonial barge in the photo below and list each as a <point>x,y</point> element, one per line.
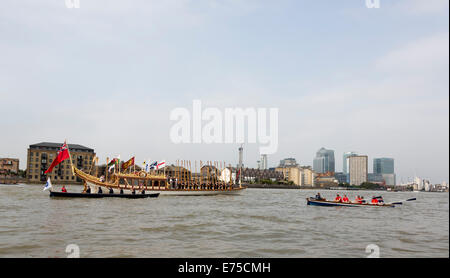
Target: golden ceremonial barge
<point>212,179</point>
<point>180,182</point>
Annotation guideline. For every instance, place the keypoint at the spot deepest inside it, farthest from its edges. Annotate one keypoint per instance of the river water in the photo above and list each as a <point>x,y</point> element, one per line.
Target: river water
<point>257,223</point>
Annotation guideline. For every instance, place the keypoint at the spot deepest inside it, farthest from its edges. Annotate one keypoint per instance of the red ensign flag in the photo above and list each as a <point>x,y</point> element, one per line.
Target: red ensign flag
<point>62,155</point>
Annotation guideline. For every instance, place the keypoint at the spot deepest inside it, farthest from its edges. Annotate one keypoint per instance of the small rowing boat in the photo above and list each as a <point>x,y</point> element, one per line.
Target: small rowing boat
<point>325,203</point>
<point>102,195</point>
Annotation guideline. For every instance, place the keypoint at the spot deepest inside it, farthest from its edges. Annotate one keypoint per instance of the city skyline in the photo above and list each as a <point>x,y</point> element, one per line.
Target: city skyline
<point>373,81</point>
<point>376,169</point>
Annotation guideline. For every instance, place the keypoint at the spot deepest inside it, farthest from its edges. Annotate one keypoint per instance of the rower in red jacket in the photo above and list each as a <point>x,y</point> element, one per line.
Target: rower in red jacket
<point>345,199</point>
<point>374,200</point>
<point>338,198</point>
<point>63,189</point>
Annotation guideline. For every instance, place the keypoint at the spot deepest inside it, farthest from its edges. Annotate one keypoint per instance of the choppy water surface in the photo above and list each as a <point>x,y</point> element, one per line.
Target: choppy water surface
<point>257,223</point>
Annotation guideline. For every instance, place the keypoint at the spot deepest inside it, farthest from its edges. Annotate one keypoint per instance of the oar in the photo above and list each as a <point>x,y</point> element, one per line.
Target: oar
<point>401,202</point>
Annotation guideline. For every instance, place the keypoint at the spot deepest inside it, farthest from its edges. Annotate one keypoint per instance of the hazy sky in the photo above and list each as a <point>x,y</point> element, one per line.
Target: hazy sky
<point>344,77</point>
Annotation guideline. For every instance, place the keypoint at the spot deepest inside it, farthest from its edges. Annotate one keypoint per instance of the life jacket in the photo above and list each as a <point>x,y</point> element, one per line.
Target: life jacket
<point>345,199</point>
<point>374,201</point>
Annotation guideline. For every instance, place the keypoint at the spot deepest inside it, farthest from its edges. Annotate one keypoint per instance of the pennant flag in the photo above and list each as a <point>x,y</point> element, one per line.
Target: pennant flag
<point>112,164</point>
<point>128,164</point>
<point>237,175</point>
<point>48,185</point>
<point>111,167</point>
<point>147,166</point>
<point>62,155</point>
<point>161,165</point>
<point>153,165</point>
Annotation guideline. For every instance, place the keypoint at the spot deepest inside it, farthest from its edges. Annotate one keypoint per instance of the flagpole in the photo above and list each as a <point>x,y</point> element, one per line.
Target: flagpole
<point>106,169</point>
<point>201,174</point>
<point>70,157</point>
<point>190,173</point>
<point>96,167</point>
<point>182,173</point>
<point>93,161</point>
<point>230,183</point>
<point>176,174</point>
<point>208,168</point>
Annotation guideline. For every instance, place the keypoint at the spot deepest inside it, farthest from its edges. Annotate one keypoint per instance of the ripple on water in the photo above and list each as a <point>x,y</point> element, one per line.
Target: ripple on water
<point>258,223</point>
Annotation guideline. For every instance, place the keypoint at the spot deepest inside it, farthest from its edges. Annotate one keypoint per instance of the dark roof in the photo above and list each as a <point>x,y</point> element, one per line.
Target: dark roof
<point>58,145</point>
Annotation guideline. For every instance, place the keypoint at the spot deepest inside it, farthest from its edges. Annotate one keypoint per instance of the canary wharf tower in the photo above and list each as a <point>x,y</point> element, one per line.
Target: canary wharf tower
<point>324,161</point>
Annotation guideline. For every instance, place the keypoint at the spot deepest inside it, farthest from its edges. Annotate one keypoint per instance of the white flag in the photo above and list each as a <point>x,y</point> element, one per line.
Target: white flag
<point>48,185</point>
<point>161,164</point>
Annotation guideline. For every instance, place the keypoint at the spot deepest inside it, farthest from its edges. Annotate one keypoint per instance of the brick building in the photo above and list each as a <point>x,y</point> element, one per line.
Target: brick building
<point>40,157</point>
<point>9,165</point>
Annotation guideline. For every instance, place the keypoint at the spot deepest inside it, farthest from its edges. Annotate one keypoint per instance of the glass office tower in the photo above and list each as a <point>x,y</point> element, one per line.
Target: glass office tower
<point>324,161</point>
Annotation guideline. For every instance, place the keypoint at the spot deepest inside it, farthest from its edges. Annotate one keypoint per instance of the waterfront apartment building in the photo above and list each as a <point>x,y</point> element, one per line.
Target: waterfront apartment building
<point>250,174</point>
<point>299,175</point>
<point>40,157</point>
<point>385,167</point>
<point>9,165</point>
<point>324,161</point>
<point>307,176</point>
<point>358,169</point>
<point>290,173</point>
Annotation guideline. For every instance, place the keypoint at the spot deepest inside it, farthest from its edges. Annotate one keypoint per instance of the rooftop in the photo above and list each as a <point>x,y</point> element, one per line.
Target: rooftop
<point>50,145</point>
